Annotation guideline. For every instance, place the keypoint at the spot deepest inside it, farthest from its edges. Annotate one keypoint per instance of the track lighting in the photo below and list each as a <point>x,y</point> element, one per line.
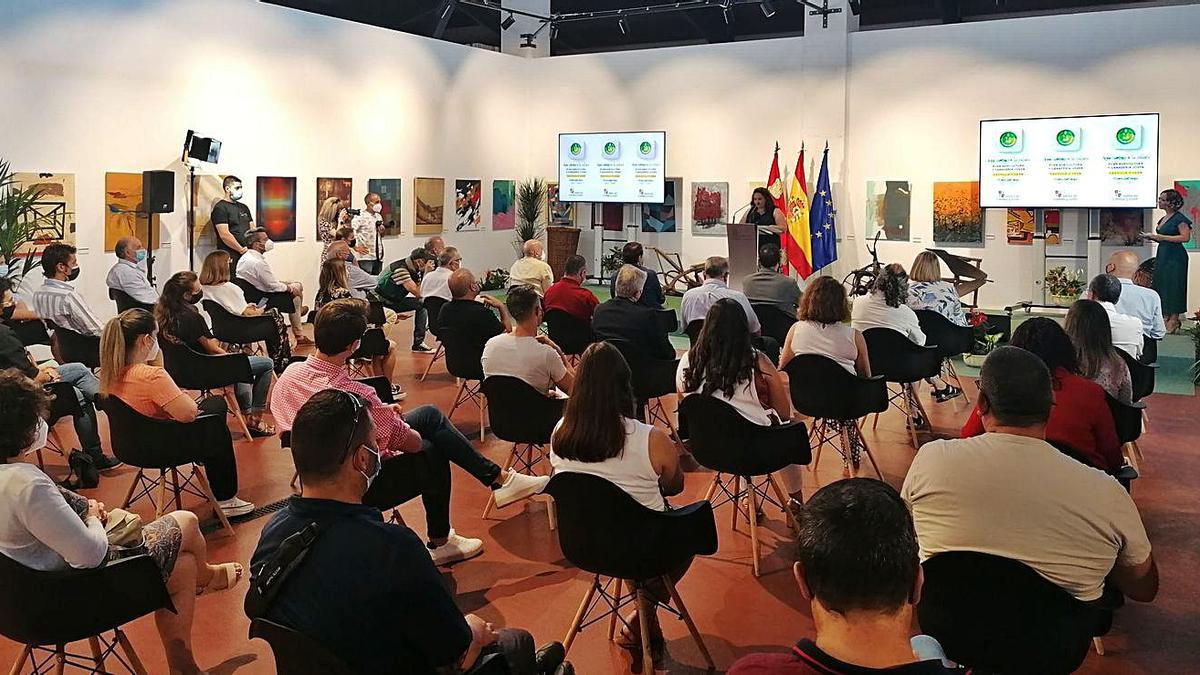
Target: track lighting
<point>768,9</point>
<point>623,25</point>
<point>508,22</point>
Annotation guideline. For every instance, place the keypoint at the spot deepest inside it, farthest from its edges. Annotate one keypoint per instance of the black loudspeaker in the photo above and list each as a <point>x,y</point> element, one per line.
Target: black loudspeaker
<point>158,191</point>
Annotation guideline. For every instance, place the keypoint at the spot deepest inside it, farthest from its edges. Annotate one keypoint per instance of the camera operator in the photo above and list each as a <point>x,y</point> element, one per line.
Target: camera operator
<point>368,232</point>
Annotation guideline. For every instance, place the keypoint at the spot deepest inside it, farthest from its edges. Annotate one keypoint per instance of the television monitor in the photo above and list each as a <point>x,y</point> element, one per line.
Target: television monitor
<point>627,167</point>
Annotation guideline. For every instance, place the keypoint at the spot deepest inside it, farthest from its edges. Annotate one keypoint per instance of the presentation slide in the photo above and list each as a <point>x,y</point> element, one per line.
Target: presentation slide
<point>625,167</point>
<point>1102,161</point>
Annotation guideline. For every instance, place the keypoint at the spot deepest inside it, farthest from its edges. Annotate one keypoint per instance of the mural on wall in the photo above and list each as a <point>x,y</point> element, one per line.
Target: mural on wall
<point>558,213</point>
<point>388,190</point>
<point>1190,191</point>
<point>276,202</point>
<point>332,187</point>
<point>1122,227</point>
<point>122,207</point>
<point>661,217</point>
<point>504,204</point>
<point>429,205</point>
<point>1020,227</point>
<point>1052,221</point>
<point>710,209</point>
<point>957,218</point>
<point>888,209</point>
<point>54,209</point>
<point>467,203</point>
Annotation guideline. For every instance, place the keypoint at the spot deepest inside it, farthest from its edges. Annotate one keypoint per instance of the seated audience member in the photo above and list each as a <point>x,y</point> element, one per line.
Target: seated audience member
<point>47,528</point>
<point>437,282</point>
<point>823,328</point>
<point>332,286</point>
<point>128,342</point>
<point>1080,419</point>
<point>13,309</point>
<point>254,268</point>
<point>57,300</point>
<point>524,353</point>
<point>568,293</point>
<point>1137,301</point>
<point>345,235</point>
<point>857,565</point>
<point>399,288</point>
<point>1089,330</point>
<point>434,247</point>
<point>622,317</point>
<point>389,611</point>
<point>416,447</point>
<point>126,276</point>
<point>598,435</point>
<point>1010,493</point>
<point>468,320</point>
<point>926,290</point>
<point>1126,330</point>
<point>531,270</point>
<point>696,301</point>
<point>179,322</point>
<point>368,234</point>
<point>214,282</point>
<point>358,279</point>
<point>770,286</point>
<point>652,293</point>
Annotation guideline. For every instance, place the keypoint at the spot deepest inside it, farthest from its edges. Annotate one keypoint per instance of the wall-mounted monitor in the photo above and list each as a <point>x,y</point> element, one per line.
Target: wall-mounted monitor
<point>1100,161</point>
<point>627,167</point>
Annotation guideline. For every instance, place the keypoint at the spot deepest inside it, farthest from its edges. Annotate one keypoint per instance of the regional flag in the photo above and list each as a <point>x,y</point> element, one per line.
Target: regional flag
<point>797,240</point>
<point>775,183</point>
<point>824,233</point>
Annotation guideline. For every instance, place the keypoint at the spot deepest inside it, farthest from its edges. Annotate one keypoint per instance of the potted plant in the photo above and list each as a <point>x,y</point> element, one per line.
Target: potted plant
<point>1193,331</point>
<point>19,224</point>
<point>612,261</point>
<point>494,280</point>
<point>531,200</point>
<point>985,340</point>
<point>1064,286</point>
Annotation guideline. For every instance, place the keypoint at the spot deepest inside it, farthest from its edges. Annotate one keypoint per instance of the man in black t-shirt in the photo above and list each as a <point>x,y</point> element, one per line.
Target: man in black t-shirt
<point>467,321</point>
<point>232,219</point>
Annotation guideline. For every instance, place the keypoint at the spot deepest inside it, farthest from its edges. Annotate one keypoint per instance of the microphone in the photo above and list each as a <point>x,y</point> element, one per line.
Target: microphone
<point>742,209</point>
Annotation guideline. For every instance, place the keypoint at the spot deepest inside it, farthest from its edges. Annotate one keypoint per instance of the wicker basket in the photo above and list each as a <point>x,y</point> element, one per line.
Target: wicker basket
<point>561,243</point>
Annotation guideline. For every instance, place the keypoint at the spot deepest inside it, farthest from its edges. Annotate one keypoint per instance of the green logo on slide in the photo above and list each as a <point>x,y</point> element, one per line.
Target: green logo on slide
<point>576,148</point>
<point>1126,135</point>
<point>610,147</point>
<point>1008,139</point>
<point>1065,137</point>
<point>646,147</point>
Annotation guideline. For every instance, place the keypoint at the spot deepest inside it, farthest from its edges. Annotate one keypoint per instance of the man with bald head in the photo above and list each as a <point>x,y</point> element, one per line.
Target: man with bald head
<point>126,276</point>
<point>368,233</point>
<point>1137,301</point>
<point>531,270</point>
<point>467,320</point>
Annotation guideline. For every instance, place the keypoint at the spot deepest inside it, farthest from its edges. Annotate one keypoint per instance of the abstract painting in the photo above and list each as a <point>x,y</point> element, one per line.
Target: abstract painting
<point>331,187</point>
<point>710,209</point>
<point>1020,227</point>
<point>888,209</point>
<point>54,209</point>
<point>504,204</point>
<point>1190,191</point>
<point>661,217</point>
<point>558,213</point>
<point>388,190</point>
<point>208,193</point>
<point>1122,227</point>
<point>276,207</point>
<point>957,218</point>
<point>429,205</point>
<point>1052,221</point>
<point>122,211</point>
<point>467,203</point>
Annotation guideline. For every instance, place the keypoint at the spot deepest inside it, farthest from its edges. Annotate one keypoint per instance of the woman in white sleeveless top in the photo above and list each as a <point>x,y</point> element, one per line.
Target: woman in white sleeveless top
<point>822,329</point>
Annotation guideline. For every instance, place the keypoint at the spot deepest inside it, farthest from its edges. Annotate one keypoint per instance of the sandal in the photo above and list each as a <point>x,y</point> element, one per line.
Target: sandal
<point>225,576</point>
<point>260,429</point>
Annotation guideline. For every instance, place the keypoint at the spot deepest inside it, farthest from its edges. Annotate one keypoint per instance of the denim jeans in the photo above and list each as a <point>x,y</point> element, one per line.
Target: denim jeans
<point>435,427</point>
<point>411,304</point>
<point>253,397</point>
<point>86,387</point>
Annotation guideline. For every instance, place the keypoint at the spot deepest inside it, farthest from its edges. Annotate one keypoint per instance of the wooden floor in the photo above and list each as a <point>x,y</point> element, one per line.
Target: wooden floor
<point>522,580</point>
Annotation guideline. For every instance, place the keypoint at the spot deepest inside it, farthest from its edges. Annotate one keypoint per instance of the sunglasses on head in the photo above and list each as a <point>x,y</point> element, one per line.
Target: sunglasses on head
<point>359,407</point>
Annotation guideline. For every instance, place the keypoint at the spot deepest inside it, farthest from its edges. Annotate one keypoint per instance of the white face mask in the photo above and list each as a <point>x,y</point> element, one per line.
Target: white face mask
<point>43,433</point>
<point>377,208</point>
<point>375,472</point>
<point>153,353</point>
<point>235,194</point>
<point>268,245</point>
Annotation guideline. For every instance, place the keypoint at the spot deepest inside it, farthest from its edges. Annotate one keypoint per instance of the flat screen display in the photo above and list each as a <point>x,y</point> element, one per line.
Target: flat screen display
<point>627,167</point>
<point>1101,161</point>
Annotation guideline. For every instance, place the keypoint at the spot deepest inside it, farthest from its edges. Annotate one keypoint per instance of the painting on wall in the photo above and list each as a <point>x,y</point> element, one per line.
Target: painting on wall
<point>504,204</point>
<point>388,190</point>
<point>957,218</point>
<point>1122,227</point>
<point>1020,227</point>
<point>54,209</point>
<point>661,217</point>
<point>122,207</point>
<point>332,187</point>
<point>710,209</point>
<point>468,199</point>
<point>1052,221</point>
<point>276,202</point>
<point>208,193</point>
<point>558,213</point>
<point>888,209</point>
<point>429,205</point>
<point>1190,191</point>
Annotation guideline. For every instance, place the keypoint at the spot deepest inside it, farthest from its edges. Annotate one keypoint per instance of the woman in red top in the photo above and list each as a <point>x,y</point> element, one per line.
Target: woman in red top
<point>1080,419</point>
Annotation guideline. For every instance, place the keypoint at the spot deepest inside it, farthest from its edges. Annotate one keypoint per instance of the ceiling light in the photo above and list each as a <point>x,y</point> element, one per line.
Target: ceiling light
<point>624,26</point>
<point>767,8</point>
<point>507,22</point>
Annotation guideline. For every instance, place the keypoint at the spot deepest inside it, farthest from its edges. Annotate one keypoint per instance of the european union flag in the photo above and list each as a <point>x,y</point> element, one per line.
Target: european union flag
<point>820,220</point>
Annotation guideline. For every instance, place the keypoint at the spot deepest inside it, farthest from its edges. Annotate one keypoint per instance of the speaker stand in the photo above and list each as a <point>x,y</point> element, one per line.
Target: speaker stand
<point>191,219</point>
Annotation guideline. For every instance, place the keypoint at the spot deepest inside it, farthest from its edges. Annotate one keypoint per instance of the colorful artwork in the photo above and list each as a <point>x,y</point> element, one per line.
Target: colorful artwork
<point>331,187</point>
<point>388,190</point>
<point>661,217</point>
<point>1190,191</point>
<point>429,205</point>
<point>888,209</point>
<point>504,204</point>
<point>710,209</point>
<point>1052,221</point>
<point>558,213</point>
<point>468,195</point>
<point>1020,227</point>
<point>122,211</point>
<point>276,204</point>
<point>957,218</point>
<point>1122,227</point>
<point>54,209</point>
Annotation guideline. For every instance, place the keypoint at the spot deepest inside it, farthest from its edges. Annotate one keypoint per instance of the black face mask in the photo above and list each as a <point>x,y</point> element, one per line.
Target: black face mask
<point>194,298</point>
<point>7,312</point>
<point>73,274</point>
<point>353,243</point>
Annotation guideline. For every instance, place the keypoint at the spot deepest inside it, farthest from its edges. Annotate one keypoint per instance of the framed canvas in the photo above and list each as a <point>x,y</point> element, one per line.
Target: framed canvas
<point>661,218</point>
<point>710,208</point>
<point>889,211</point>
<point>468,199</point>
<point>1122,227</point>
<point>328,188</point>
<point>957,218</point>
<point>429,205</point>
<point>1190,191</point>
<point>504,204</point>
<point>123,215</point>
<point>276,202</point>
<point>1020,227</point>
<point>54,209</point>
<point>558,213</point>
<point>388,190</point>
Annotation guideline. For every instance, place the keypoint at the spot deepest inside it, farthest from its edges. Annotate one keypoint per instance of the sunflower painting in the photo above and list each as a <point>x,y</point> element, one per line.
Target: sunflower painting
<point>957,218</point>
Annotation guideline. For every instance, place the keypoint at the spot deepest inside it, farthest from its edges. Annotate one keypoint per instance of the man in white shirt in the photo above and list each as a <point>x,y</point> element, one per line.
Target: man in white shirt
<point>368,234</point>
<point>696,301</point>
<point>57,300</point>
<point>253,267</point>
<point>126,276</point>
<point>1126,330</point>
<point>1009,493</point>
<point>531,270</point>
<point>1137,301</point>
<point>524,353</point>
<point>436,283</point>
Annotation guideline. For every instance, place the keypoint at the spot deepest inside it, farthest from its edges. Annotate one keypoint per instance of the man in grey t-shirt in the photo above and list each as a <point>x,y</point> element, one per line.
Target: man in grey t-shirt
<point>769,286</point>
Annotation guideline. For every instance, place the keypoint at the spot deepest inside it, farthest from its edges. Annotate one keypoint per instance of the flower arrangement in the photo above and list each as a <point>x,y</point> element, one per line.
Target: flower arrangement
<point>611,261</point>
<point>985,341</point>
<point>495,280</point>
<point>1064,286</point>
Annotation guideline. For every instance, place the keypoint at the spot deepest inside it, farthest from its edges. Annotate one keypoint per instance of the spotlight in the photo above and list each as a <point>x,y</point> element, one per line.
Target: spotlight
<point>528,41</point>
<point>553,31</point>
<point>624,26</point>
<point>768,9</point>
<point>507,22</point>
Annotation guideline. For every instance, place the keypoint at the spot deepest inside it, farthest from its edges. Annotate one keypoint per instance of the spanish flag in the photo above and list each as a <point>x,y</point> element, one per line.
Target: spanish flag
<point>798,240</point>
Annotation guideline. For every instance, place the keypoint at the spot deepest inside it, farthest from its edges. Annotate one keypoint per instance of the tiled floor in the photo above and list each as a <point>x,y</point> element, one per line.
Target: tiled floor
<point>522,579</point>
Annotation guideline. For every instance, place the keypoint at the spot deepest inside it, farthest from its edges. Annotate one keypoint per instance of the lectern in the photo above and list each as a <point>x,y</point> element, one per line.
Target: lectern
<point>742,241</point>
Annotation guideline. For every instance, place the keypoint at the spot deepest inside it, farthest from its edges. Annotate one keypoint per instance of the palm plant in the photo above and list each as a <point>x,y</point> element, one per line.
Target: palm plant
<point>531,200</point>
<point>19,222</point>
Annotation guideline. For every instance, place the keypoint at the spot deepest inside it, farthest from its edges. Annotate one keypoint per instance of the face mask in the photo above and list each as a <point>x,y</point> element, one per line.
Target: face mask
<point>73,274</point>
<point>7,312</point>
<point>353,243</point>
<point>268,245</point>
<point>39,439</point>
<point>195,298</point>
<point>377,208</point>
<point>140,256</point>
<point>236,194</point>
<point>153,348</point>
<point>374,472</point>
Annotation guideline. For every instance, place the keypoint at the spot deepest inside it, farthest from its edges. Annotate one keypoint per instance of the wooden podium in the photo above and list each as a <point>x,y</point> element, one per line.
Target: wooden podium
<point>742,242</point>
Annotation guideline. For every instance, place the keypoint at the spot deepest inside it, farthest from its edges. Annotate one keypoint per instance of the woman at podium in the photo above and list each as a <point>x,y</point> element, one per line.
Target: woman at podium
<point>764,213</point>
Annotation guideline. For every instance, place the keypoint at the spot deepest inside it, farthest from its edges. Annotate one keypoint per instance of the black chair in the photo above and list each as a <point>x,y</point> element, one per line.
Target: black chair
<point>1149,350</point>
<point>281,300</point>
<point>125,301</point>
<point>668,320</point>
<point>1142,375</point>
<point>903,362</point>
<point>653,379</point>
<point>296,653</point>
<point>836,399</point>
<point>464,361</point>
<point>1128,419</point>
<point>950,339</point>
<point>744,456</point>
<point>568,332</point>
<point>525,417</point>
<point>774,321</point>
<point>593,514</point>
<point>433,308</point>
<point>693,330</point>
<point>46,611</point>
<point>63,403</point>
<point>241,331</point>
<point>207,373</point>
<point>78,348</point>
<point>30,331</point>
<point>998,615</point>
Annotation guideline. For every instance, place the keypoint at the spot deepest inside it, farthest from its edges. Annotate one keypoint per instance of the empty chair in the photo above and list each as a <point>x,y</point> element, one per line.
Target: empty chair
<point>525,417</point>
<point>207,373</point>
<point>77,348</point>
<point>903,362</point>
<point>836,399</point>
<point>124,301</point>
<point>774,321</point>
<point>433,307</point>
<point>949,338</point>
<point>571,334</point>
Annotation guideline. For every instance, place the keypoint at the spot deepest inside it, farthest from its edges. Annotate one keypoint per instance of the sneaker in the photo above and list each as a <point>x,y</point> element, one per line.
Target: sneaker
<point>518,487</point>
<point>422,348</point>
<point>398,393</point>
<point>105,462</point>
<point>950,392</point>
<point>235,507</point>
<point>455,549</point>
<point>550,657</point>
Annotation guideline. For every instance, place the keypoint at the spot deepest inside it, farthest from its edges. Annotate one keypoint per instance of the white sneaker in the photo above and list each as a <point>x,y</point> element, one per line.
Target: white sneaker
<point>235,507</point>
<point>518,487</point>
<point>455,549</point>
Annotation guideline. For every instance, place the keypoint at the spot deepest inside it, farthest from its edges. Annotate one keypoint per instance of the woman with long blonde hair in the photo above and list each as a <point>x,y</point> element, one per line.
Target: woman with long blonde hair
<point>329,219</point>
<point>214,281</point>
